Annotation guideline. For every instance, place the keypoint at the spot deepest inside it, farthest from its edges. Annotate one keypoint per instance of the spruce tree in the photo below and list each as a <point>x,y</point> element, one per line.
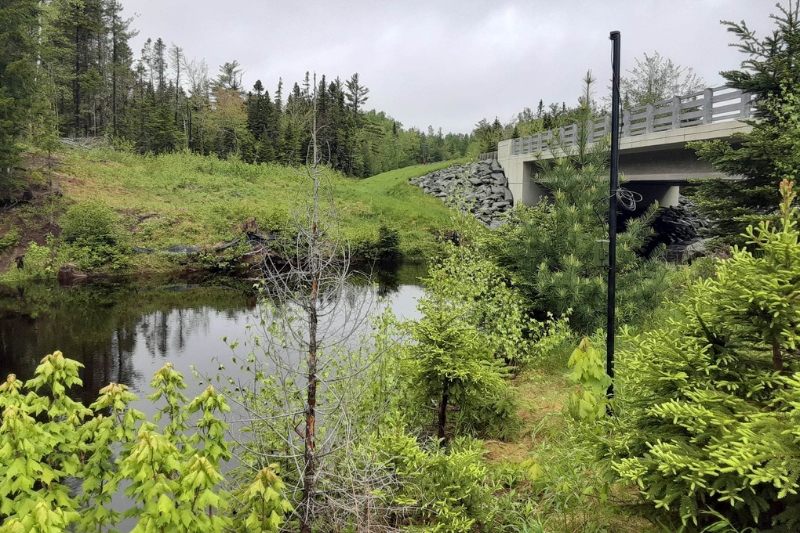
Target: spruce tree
<point>709,402</point>
<point>758,160</point>
<point>357,94</point>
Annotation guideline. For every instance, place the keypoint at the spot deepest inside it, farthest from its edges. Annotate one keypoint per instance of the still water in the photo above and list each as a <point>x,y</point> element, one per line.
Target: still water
<point>123,331</point>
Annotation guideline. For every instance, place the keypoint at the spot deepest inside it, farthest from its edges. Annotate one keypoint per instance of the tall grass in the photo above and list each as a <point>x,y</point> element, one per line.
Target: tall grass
<point>190,199</point>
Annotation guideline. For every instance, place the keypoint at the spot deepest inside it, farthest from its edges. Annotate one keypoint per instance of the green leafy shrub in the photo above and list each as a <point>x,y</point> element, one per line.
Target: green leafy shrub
<point>93,236</point>
<point>38,262</point>
<point>588,401</point>
<point>710,402</point>
<point>487,299</point>
<point>90,222</point>
<point>47,440</point>
<point>90,257</point>
<point>9,240</point>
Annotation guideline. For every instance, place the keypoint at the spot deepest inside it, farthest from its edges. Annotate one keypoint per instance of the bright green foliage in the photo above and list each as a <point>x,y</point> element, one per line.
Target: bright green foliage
<point>168,383</point>
<point>447,489</point>
<point>36,457</point>
<point>458,351</point>
<point>153,466</point>
<point>769,153</point>
<point>264,505</point>
<point>588,402</point>
<point>488,300</point>
<point>710,403</point>
<point>98,437</point>
<point>173,479</point>
<point>174,482</point>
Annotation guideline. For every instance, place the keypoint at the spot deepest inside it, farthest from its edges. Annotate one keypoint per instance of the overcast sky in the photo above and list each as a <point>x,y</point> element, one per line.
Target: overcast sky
<point>449,63</point>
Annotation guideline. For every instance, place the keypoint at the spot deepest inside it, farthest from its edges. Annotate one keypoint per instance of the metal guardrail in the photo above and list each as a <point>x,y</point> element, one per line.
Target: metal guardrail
<point>712,105</point>
<point>488,156</point>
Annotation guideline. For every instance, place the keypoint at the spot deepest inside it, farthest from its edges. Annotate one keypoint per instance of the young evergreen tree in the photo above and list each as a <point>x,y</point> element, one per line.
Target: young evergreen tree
<point>708,402</point>
<point>762,158</point>
<point>553,248</point>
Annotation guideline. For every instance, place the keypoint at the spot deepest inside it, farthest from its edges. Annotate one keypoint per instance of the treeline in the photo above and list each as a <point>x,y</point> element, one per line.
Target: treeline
<point>487,134</point>
<point>67,68</point>
<point>655,78</point>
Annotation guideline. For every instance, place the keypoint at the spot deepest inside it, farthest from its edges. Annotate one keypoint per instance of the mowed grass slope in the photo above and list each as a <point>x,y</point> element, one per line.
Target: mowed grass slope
<point>195,200</point>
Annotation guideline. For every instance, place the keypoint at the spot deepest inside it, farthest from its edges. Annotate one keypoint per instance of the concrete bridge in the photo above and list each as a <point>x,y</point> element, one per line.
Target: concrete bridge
<point>653,155</point>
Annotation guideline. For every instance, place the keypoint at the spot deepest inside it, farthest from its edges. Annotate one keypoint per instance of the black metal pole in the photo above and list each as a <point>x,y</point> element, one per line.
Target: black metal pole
<point>612,211</point>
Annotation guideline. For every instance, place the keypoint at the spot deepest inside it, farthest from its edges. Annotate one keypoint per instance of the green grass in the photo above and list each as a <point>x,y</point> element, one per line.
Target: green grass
<point>566,493</point>
<point>196,200</point>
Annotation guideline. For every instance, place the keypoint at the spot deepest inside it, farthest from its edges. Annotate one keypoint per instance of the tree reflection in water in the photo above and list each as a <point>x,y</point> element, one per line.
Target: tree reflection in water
<point>124,331</point>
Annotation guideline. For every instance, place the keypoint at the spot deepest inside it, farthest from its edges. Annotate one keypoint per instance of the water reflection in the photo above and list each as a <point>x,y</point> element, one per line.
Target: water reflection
<point>124,331</point>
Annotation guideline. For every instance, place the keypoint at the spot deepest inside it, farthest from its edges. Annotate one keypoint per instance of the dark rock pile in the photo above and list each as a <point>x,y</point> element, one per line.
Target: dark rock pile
<point>477,188</point>
<point>681,228</point>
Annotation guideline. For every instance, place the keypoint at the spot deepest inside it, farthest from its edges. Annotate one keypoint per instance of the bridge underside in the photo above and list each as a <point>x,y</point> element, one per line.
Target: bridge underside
<point>655,174</point>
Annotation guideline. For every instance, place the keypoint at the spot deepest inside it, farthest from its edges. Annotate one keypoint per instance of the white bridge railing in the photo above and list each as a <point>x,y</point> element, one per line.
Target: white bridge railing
<point>719,104</point>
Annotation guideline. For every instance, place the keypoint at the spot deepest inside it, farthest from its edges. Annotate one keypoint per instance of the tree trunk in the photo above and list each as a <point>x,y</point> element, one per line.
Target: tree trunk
<point>76,95</point>
<point>443,411</point>
<point>777,356</point>
<point>114,60</point>
<point>308,455</point>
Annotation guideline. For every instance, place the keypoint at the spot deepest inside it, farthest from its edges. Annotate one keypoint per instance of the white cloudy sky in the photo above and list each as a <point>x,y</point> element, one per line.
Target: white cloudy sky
<point>449,63</point>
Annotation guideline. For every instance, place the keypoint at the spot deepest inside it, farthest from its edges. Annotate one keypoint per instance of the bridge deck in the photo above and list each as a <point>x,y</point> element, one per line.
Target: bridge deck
<point>716,105</point>
<point>652,143</point>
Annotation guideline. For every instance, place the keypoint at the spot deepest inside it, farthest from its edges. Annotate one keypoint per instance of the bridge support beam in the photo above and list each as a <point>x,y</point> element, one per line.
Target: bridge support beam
<point>520,172</point>
<point>666,194</point>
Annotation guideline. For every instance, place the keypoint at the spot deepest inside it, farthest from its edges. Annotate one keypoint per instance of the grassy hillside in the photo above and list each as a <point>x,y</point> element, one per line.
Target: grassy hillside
<point>186,199</point>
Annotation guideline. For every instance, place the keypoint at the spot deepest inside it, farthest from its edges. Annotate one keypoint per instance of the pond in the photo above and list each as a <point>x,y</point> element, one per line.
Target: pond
<point>123,331</point>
